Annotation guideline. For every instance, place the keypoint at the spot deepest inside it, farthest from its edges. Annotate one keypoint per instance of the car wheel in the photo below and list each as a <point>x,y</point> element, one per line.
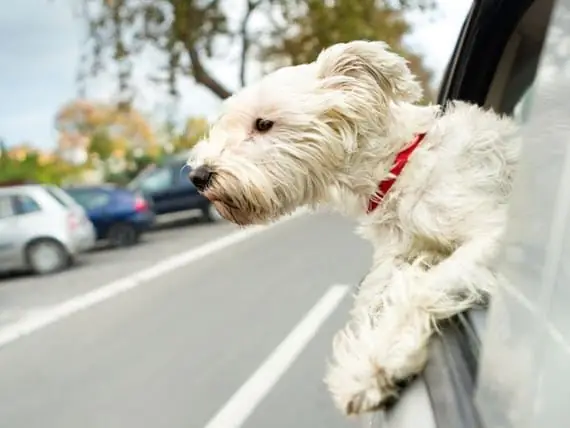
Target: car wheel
<point>46,256</point>
<point>122,235</point>
<point>211,214</point>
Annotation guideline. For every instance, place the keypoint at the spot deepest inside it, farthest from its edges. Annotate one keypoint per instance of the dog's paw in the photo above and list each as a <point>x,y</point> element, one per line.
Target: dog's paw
<point>355,394</point>
<point>369,400</point>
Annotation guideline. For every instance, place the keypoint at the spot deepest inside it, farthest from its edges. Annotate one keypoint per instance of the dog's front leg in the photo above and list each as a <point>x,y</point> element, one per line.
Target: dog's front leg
<point>386,346</point>
<point>369,354</point>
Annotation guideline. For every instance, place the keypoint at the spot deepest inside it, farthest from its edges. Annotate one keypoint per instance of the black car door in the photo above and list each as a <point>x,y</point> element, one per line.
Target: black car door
<point>170,190</point>
<point>184,194</point>
<point>157,186</point>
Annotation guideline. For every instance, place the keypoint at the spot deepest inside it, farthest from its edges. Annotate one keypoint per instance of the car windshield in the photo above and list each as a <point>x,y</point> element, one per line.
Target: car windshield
<point>136,183</point>
<point>154,180</point>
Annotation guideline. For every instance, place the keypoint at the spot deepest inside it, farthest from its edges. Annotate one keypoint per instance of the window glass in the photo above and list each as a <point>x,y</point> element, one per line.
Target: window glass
<point>90,198</point>
<point>157,180</point>
<point>522,73</point>
<point>26,205</point>
<point>6,208</point>
<point>60,196</point>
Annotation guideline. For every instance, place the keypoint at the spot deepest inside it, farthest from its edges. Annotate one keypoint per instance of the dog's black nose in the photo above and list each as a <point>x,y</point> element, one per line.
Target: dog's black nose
<point>200,177</point>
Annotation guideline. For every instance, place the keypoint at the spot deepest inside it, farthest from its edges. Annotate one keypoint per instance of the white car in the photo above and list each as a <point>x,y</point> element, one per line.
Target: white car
<point>42,229</point>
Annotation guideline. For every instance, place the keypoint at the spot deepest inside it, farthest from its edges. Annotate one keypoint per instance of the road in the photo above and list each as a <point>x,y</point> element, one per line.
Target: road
<point>210,328</point>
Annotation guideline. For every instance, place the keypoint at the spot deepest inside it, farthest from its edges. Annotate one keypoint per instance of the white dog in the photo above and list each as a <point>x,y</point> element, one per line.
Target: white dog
<point>430,189</point>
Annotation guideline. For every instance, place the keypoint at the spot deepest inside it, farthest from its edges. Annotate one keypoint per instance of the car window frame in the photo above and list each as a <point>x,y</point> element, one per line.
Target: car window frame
<point>478,53</point>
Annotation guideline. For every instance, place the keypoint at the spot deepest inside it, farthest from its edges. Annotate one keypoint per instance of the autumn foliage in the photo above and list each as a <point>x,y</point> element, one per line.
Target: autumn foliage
<point>269,33</point>
<point>103,129</point>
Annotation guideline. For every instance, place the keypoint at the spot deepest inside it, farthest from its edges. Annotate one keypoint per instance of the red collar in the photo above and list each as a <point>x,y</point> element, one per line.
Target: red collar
<point>399,164</point>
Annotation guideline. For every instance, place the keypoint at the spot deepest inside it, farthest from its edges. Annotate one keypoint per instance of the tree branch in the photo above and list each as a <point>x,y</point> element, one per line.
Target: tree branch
<point>203,77</point>
<point>245,41</point>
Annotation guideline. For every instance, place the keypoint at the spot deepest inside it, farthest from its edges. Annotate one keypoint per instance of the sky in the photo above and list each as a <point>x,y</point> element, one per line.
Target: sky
<point>40,46</point>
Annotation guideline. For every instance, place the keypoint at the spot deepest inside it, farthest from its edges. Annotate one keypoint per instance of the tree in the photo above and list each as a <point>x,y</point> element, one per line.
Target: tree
<point>183,29</point>
<point>34,166</point>
<point>194,130</point>
<point>102,128</point>
<point>189,32</point>
<point>101,144</point>
<point>309,25</point>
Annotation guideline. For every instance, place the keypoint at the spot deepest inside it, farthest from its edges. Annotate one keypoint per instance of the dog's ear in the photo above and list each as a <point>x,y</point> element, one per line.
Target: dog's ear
<point>372,65</point>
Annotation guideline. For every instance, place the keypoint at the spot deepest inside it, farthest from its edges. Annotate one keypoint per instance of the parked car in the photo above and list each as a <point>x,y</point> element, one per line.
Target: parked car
<point>168,187</point>
<point>120,216</point>
<point>41,229</point>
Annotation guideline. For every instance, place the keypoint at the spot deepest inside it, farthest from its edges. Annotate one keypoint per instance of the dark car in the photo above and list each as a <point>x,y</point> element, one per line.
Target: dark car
<point>119,215</point>
<point>170,190</point>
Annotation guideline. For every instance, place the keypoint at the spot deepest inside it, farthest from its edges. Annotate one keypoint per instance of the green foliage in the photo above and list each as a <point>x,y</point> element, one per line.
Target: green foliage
<point>27,164</point>
<point>101,144</point>
<point>194,130</point>
<point>32,169</point>
<point>311,25</point>
<point>190,31</point>
<point>104,125</point>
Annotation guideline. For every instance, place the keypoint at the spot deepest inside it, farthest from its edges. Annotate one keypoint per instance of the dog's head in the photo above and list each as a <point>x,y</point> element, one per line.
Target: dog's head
<point>280,143</point>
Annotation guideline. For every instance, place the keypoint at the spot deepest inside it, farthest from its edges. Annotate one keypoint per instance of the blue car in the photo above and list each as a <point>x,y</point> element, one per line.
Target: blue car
<point>120,216</point>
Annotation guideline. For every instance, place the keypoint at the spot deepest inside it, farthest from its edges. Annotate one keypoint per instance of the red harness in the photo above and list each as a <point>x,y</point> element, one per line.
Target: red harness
<point>399,164</point>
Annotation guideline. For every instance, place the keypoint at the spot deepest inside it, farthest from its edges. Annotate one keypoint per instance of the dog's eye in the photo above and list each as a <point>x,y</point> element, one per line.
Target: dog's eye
<point>263,125</point>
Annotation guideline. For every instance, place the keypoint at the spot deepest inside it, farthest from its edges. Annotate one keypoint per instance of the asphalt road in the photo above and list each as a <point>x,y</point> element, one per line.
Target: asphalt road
<point>224,330</point>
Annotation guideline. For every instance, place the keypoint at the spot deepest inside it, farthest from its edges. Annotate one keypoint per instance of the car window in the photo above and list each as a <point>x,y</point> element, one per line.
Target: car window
<point>6,208</point>
<point>517,67</point>
<point>60,196</point>
<point>90,198</point>
<point>157,180</point>
<point>25,204</point>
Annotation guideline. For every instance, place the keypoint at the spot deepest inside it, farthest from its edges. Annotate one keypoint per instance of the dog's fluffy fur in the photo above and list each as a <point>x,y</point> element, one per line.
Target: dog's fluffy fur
<point>338,124</point>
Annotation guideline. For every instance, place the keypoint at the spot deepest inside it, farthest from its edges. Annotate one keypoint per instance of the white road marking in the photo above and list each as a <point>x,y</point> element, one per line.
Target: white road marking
<point>38,320</point>
<point>240,406</point>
